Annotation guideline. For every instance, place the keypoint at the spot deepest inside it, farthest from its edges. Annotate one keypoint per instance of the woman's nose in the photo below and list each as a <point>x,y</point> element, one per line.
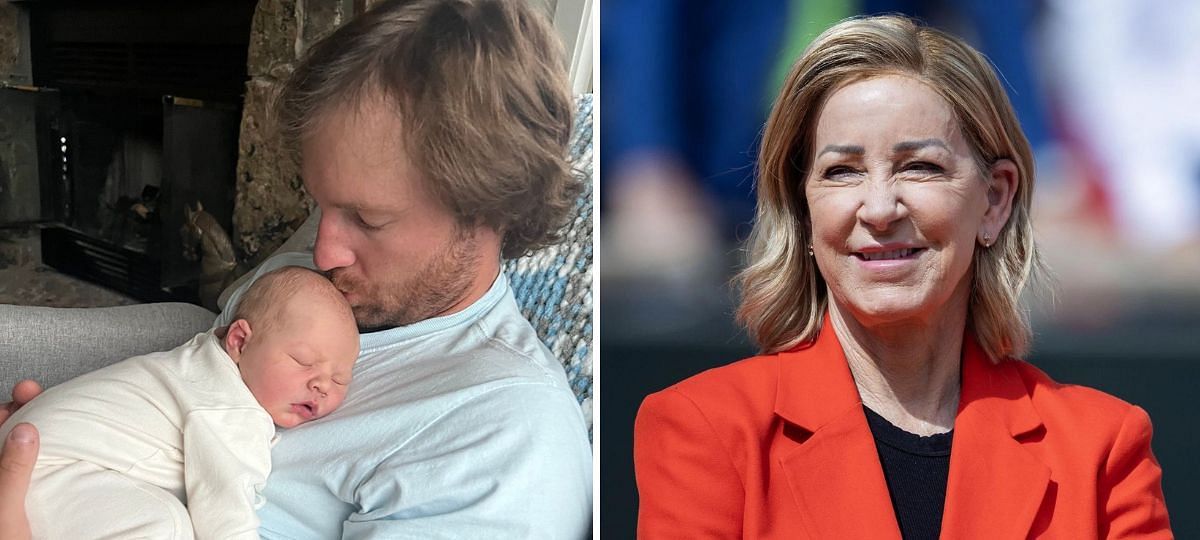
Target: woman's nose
<point>881,205</point>
<point>332,248</point>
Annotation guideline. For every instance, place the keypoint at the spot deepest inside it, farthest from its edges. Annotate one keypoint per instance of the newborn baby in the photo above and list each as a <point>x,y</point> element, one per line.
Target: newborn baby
<point>126,447</point>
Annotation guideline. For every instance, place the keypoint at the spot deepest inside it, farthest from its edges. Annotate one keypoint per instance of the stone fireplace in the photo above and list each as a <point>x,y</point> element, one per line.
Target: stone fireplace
<point>131,112</point>
<point>119,114</point>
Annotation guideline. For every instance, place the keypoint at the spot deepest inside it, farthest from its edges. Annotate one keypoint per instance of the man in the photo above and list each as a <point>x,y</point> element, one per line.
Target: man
<point>432,135</point>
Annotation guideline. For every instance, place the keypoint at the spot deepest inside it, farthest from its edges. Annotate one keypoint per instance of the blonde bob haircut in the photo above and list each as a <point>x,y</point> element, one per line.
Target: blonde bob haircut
<point>784,298</point>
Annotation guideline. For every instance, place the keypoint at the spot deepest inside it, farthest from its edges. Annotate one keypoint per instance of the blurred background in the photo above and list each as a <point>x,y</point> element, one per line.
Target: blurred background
<point>1107,92</point>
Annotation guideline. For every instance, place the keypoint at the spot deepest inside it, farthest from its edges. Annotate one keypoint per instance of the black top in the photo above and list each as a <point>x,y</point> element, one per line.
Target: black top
<point>916,469</point>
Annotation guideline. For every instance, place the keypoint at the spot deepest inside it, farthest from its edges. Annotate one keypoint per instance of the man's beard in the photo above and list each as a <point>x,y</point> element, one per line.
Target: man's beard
<point>433,289</point>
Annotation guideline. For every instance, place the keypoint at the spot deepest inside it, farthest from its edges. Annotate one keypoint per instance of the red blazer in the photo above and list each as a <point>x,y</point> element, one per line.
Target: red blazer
<point>778,446</point>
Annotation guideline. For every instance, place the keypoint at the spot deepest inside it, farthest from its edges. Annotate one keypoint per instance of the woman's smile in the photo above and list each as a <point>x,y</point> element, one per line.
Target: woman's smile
<point>888,261</point>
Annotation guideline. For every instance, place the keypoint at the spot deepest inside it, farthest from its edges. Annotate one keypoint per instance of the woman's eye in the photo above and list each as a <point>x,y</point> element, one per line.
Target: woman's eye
<point>838,171</point>
<point>922,166</point>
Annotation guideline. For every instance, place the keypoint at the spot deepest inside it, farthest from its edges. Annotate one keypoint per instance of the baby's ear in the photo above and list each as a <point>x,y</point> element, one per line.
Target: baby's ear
<point>235,339</point>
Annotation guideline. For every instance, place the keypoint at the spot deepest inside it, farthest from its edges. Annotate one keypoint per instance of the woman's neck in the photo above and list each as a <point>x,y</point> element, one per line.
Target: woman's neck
<point>907,372</point>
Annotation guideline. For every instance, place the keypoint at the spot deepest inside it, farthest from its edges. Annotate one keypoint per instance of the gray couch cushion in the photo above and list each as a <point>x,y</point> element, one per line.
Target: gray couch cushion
<point>52,345</point>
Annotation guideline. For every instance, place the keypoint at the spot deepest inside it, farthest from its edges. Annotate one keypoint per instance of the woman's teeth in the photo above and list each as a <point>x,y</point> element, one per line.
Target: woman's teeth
<point>885,255</point>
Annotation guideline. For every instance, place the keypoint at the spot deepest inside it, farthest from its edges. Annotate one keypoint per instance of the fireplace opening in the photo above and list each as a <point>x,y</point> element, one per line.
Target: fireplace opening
<point>115,147</point>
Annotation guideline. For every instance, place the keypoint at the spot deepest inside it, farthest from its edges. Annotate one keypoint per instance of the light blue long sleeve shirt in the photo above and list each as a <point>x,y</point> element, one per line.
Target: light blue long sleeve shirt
<point>460,426</point>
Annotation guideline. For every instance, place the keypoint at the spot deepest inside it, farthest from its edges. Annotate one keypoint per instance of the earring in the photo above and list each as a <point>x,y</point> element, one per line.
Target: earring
<point>987,240</point>
<point>810,250</point>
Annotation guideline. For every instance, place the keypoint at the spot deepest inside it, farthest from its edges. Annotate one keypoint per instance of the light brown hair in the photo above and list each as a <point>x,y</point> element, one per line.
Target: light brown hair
<point>264,302</point>
<point>783,294</point>
<point>481,89</point>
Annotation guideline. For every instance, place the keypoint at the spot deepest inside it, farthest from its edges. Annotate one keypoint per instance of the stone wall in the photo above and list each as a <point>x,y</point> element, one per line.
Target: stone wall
<point>19,188</point>
<point>271,202</point>
<point>10,41</point>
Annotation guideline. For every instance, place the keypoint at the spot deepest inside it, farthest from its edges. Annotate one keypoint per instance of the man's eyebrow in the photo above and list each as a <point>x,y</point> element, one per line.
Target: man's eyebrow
<point>912,146</point>
<point>359,207</point>
<point>843,149</point>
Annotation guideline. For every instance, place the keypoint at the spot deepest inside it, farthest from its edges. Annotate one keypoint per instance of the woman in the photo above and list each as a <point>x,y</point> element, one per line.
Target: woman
<point>891,244</point>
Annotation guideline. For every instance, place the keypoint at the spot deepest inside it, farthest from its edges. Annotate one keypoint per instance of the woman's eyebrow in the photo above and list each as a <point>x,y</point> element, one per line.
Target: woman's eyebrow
<point>912,146</point>
<point>843,149</point>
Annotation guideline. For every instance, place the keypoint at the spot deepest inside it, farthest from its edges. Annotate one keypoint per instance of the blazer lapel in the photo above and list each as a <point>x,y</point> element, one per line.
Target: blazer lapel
<point>996,486</point>
<point>834,473</point>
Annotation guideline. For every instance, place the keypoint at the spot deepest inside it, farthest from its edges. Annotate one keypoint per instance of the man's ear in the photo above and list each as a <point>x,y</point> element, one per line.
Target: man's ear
<point>235,339</point>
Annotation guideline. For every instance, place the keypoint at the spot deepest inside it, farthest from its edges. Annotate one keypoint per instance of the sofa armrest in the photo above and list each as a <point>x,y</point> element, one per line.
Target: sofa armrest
<point>52,345</point>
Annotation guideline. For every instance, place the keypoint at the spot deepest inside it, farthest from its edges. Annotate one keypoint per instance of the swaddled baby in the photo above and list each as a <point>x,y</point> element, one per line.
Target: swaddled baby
<point>126,447</point>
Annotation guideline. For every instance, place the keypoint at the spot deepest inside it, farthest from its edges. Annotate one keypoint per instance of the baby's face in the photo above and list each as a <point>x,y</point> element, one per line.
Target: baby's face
<point>299,368</point>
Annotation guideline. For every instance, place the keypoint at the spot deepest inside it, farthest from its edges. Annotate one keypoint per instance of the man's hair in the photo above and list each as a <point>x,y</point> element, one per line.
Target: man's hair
<point>481,90</point>
<point>783,294</point>
<point>264,301</point>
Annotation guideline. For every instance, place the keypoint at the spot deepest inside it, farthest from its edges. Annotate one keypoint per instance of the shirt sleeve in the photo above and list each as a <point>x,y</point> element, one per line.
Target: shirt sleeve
<point>687,484</point>
<point>1131,488</point>
<point>226,460</point>
<point>511,463</point>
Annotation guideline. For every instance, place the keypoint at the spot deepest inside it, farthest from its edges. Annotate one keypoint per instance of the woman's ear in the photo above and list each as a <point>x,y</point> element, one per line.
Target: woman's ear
<point>1003,179</point>
<point>235,339</point>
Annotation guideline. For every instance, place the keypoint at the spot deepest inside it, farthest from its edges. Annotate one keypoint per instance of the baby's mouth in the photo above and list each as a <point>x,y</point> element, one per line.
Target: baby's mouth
<point>306,409</point>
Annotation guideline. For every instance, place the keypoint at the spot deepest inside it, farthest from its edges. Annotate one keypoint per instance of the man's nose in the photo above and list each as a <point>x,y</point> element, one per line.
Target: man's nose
<point>332,249</point>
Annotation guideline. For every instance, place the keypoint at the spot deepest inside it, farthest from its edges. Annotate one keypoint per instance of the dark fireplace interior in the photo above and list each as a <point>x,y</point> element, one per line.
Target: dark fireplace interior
<point>135,110</point>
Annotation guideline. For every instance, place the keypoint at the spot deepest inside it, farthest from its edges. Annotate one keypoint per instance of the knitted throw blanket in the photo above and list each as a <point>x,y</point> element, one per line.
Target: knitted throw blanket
<point>553,286</point>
